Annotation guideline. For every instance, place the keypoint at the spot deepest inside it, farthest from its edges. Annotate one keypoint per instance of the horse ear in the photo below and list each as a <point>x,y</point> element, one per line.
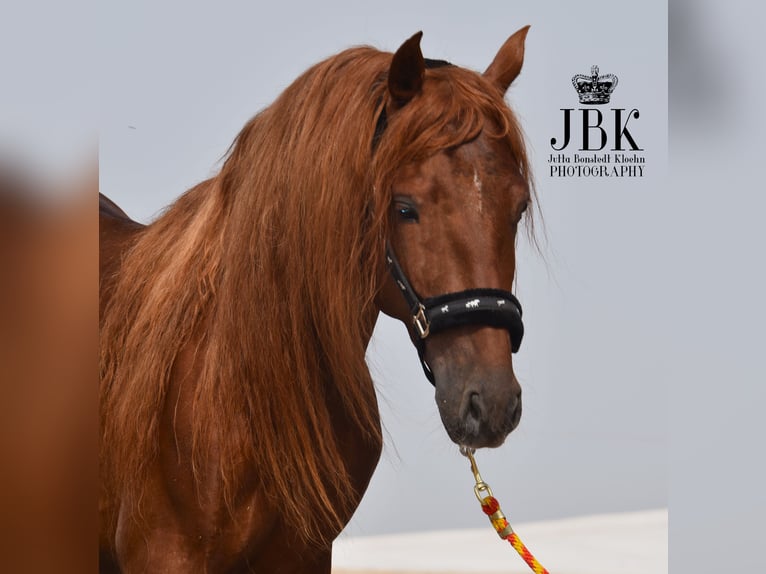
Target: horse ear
<point>507,63</point>
<point>405,76</point>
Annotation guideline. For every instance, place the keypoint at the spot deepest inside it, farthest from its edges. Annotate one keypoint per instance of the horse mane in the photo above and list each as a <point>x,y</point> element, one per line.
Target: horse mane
<point>269,271</point>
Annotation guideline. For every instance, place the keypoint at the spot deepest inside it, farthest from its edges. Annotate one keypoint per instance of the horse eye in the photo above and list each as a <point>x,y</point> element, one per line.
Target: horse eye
<point>407,212</point>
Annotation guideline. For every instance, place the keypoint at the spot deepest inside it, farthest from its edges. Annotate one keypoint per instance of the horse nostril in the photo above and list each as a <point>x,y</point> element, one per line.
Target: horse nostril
<point>475,407</point>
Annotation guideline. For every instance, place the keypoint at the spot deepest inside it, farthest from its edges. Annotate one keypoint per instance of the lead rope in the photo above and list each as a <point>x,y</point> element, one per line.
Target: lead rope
<point>491,507</point>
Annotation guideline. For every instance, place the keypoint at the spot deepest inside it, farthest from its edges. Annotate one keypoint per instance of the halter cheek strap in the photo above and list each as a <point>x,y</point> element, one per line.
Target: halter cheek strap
<point>492,307</point>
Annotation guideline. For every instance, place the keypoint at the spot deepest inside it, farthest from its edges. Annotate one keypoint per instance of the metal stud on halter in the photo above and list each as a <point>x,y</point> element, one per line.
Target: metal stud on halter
<point>491,507</point>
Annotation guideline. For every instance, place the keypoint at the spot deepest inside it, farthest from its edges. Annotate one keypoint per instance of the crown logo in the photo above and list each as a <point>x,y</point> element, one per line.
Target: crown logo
<point>594,89</point>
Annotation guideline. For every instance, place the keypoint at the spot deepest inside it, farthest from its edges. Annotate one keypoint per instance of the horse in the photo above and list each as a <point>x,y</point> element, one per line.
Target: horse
<point>239,426</point>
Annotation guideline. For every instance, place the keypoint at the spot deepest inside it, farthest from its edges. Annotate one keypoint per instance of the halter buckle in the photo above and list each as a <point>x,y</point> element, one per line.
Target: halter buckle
<point>420,321</point>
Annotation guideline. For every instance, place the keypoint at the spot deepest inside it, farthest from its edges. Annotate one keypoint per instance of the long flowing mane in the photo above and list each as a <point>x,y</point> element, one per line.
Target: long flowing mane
<point>268,271</point>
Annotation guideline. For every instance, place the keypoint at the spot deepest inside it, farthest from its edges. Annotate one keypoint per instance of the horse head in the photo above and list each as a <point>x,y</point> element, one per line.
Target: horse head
<point>455,209</point>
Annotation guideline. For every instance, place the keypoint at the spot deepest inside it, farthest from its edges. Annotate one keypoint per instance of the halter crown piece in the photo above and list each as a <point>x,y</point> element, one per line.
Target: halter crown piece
<point>492,307</point>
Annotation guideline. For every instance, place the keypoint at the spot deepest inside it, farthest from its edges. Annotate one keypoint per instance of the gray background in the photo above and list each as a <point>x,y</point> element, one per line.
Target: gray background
<point>698,251</point>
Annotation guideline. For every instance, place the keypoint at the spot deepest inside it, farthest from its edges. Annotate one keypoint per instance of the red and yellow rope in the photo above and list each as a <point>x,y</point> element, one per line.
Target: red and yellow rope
<point>491,507</point>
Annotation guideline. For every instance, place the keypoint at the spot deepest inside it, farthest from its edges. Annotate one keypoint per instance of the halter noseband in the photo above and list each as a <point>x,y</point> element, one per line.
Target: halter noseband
<point>483,306</point>
<point>491,307</point>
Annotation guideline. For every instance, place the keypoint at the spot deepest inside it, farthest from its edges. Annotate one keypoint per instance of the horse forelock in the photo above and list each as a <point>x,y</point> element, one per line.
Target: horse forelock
<point>455,106</point>
<point>269,270</point>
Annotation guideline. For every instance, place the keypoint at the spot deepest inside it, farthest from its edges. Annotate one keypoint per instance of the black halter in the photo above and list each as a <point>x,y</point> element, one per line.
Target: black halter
<point>492,307</point>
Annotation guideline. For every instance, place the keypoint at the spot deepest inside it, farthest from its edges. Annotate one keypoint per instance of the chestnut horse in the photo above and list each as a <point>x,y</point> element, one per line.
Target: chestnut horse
<point>239,424</point>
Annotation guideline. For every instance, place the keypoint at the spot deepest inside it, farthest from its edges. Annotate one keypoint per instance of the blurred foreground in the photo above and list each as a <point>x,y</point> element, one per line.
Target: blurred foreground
<point>48,373</point>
